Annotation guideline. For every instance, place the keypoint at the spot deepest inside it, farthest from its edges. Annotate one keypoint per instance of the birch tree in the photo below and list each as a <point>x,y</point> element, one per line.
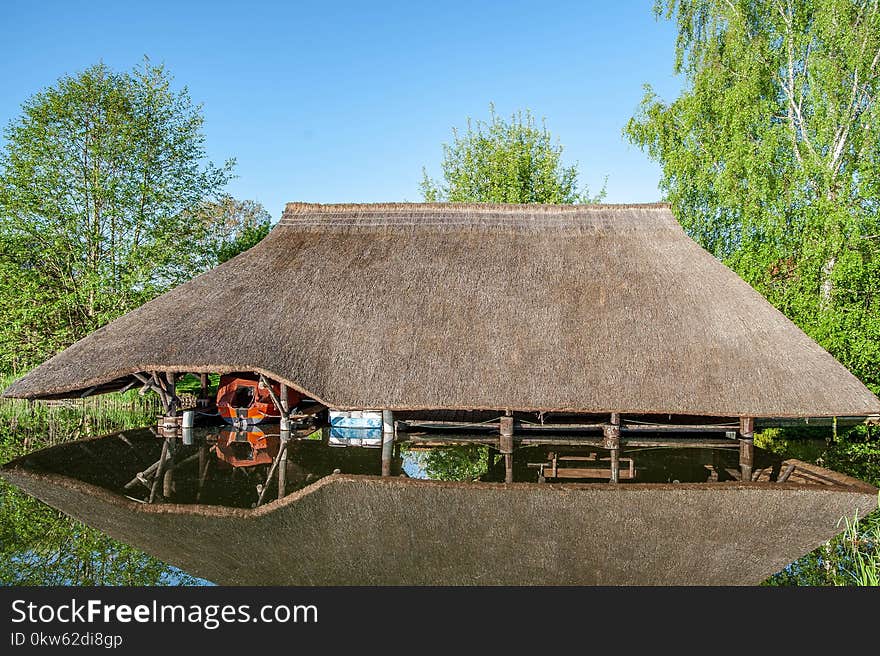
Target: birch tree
<point>771,156</point>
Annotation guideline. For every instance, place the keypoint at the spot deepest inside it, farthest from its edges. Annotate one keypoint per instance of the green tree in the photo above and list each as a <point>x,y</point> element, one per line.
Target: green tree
<point>231,226</point>
<point>505,162</point>
<point>771,156</point>
<point>99,181</point>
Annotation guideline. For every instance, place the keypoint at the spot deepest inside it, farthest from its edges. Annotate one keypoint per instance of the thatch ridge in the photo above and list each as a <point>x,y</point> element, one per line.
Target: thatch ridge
<point>476,216</point>
<point>477,307</point>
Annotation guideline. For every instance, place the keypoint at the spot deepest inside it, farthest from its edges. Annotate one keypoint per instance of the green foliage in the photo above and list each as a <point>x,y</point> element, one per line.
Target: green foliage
<point>231,227</point>
<point>104,185</point>
<point>505,162</point>
<point>465,462</point>
<point>40,545</point>
<point>771,156</point>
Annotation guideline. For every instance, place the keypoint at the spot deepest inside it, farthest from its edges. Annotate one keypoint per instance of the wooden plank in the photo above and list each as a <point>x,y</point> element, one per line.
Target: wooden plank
<point>432,440</point>
<point>267,384</point>
<point>309,411</point>
<point>586,472</point>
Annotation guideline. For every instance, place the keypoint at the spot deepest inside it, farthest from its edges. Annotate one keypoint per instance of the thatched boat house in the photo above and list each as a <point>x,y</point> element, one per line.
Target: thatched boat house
<point>522,319</point>
<point>593,310</point>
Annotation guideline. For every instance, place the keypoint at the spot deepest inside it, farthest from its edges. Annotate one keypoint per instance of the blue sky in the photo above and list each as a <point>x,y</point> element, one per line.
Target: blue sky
<point>346,101</point>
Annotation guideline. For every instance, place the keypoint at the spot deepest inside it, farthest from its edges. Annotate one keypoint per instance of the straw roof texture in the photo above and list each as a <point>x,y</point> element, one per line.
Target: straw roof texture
<point>602,308</point>
<point>365,530</point>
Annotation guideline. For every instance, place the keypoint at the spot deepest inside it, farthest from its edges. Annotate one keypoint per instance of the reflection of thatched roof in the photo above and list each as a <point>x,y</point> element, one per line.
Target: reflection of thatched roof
<point>365,530</point>
<point>529,307</point>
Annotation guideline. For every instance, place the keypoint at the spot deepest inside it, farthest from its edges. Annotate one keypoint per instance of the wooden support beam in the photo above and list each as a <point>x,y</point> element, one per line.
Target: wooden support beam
<point>265,488</point>
<point>747,427</point>
<point>160,469</point>
<point>148,384</point>
<point>171,391</point>
<point>159,386</point>
<point>615,465</point>
<point>267,384</point>
<point>746,459</point>
<point>611,436</point>
<point>387,441</point>
<point>89,391</point>
<point>282,466</point>
<point>285,408</point>
<point>788,472</point>
<point>204,465</point>
<point>505,440</point>
<point>505,445</point>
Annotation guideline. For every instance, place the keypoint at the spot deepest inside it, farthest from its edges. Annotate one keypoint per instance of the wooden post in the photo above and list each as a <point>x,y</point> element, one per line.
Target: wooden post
<point>204,464</point>
<point>505,441</point>
<point>505,445</point>
<point>746,448</point>
<point>611,441</point>
<point>265,487</point>
<point>387,441</point>
<point>282,466</point>
<point>203,387</point>
<point>611,433</point>
<point>160,469</point>
<point>746,459</point>
<point>615,465</point>
<point>168,483</point>
<point>285,439</point>
<point>173,401</point>
<point>285,408</point>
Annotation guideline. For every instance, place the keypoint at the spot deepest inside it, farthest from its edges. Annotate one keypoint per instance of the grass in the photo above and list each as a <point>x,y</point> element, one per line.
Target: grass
<point>862,543</point>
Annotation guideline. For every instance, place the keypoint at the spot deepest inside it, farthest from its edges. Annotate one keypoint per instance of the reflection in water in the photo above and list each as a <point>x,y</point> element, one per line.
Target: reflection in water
<point>246,468</point>
<point>223,466</point>
<point>213,466</point>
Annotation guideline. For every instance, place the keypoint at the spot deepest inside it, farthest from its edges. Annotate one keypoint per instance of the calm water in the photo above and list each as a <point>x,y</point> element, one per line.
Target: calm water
<point>242,469</point>
<point>221,466</point>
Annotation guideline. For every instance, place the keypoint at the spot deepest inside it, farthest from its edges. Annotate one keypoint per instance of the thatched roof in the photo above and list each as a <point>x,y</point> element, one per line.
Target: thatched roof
<point>365,530</point>
<point>603,308</point>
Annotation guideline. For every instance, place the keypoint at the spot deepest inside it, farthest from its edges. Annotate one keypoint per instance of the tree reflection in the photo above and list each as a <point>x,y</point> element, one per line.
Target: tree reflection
<point>40,545</point>
<point>466,462</point>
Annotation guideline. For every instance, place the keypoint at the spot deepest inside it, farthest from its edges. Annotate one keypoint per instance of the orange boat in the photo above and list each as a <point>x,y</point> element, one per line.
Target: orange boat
<point>247,448</point>
<point>243,400</point>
